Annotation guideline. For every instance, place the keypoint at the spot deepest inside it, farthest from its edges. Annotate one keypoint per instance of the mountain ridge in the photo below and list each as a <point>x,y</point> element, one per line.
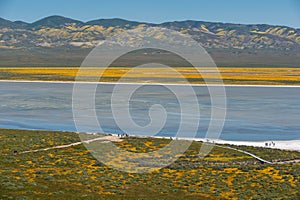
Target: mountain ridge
<point>219,38</point>
<point>203,21</point>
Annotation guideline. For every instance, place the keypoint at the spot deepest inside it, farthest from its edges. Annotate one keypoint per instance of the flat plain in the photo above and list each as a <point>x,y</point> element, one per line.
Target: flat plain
<point>229,75</point>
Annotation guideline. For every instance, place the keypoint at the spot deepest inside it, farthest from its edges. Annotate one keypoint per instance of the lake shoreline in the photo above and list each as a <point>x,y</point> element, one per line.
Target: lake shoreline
<point>132,83</point>
<point>290,145</point>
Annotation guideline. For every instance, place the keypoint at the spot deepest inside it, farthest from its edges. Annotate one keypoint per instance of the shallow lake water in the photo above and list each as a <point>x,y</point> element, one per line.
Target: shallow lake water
<point>253,113</point>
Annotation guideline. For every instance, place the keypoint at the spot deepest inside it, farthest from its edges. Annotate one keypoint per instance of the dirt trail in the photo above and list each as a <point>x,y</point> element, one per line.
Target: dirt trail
<point>103,139</point>
<point>261,159</point>
<point>117,139</point>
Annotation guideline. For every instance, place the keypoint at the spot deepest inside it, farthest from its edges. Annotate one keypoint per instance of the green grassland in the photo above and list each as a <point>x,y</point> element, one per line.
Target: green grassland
<point>72,173</point>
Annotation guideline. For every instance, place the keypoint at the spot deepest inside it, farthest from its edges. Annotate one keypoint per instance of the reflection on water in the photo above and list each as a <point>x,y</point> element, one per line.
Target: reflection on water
<point>253,113</point>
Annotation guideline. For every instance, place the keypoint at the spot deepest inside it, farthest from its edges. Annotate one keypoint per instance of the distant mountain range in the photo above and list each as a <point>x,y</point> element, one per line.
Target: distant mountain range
<point>58,40</point>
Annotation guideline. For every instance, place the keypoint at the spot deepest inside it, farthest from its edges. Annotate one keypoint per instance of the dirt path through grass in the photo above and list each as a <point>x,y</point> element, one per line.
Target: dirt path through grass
<point>111,138</point>
<point>103,139</point>
<point>261,159</point>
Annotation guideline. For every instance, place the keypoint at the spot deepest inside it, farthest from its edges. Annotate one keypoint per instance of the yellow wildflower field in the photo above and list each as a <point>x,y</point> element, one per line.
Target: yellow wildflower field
<point>230,75</point>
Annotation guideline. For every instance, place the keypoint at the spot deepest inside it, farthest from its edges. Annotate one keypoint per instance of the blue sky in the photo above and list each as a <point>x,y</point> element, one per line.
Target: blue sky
<point>278,12</point>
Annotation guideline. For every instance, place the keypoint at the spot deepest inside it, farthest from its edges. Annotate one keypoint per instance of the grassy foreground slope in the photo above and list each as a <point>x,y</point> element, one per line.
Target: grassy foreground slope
<point>72,173</point>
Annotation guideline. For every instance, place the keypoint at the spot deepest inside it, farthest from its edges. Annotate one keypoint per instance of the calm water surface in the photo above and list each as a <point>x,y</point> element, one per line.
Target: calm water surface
<point>253,113</point>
